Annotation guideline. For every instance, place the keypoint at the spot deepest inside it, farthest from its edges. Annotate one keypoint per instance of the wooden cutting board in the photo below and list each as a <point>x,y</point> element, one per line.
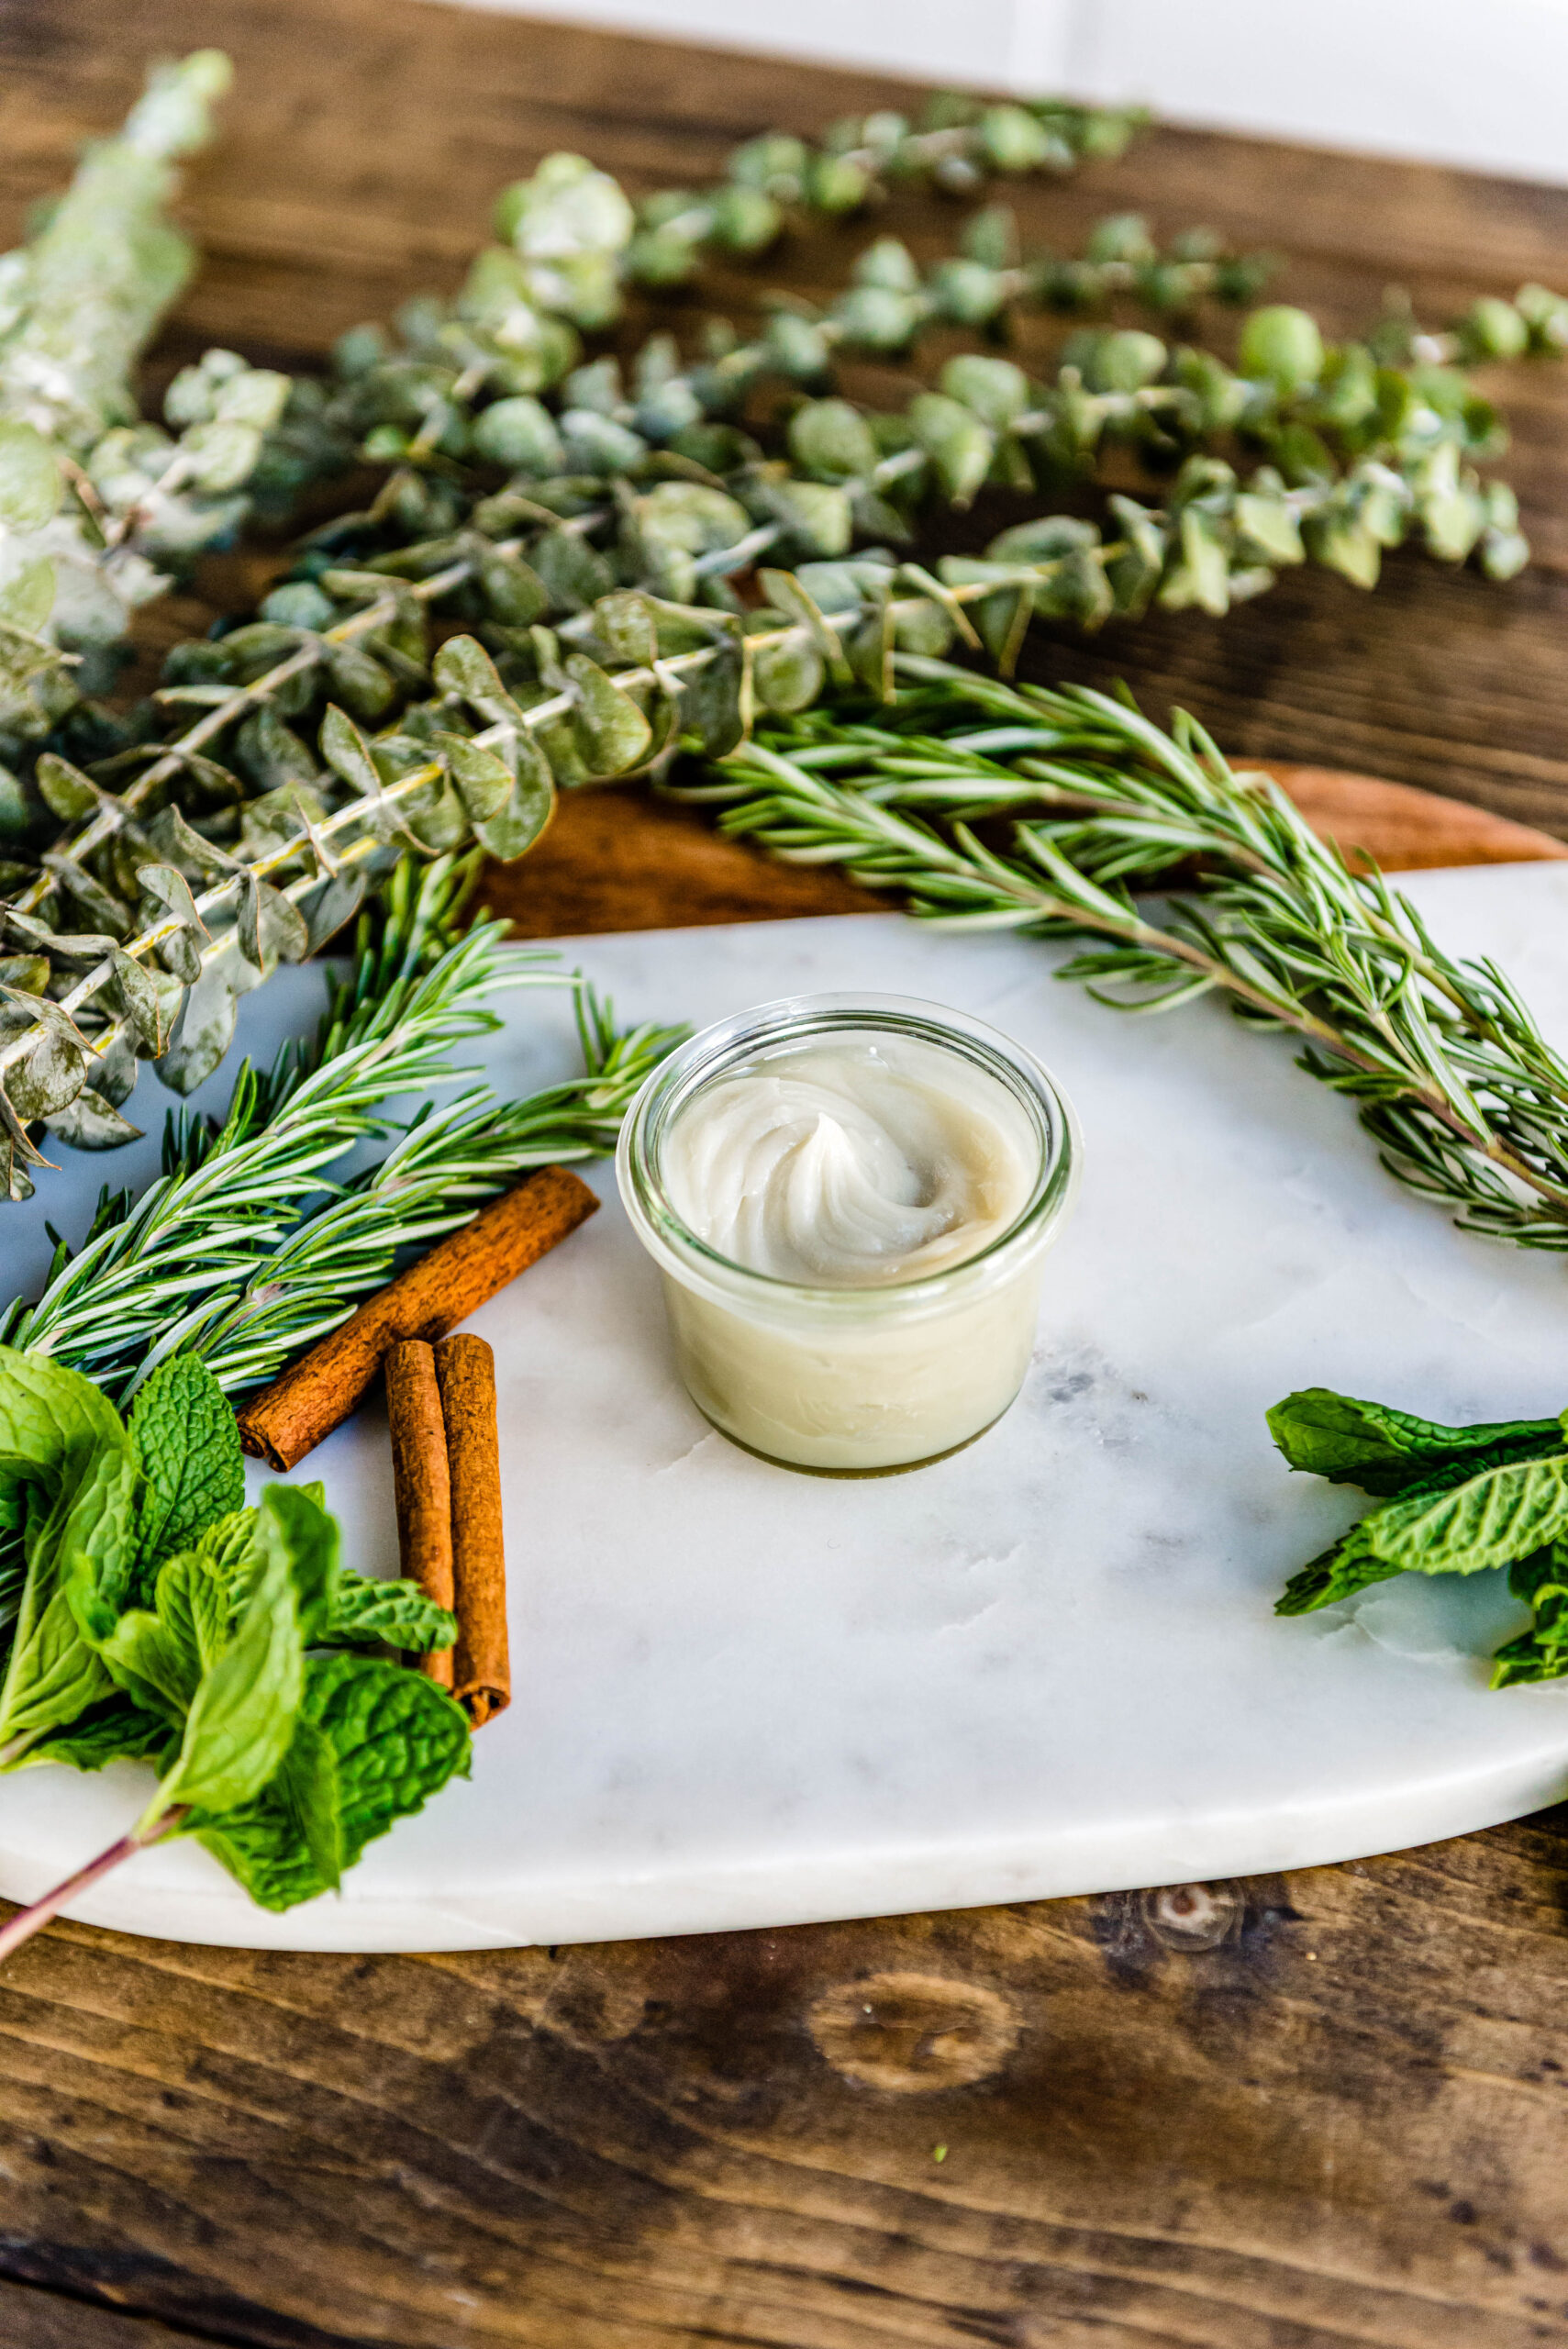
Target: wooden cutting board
<point>620,858</point>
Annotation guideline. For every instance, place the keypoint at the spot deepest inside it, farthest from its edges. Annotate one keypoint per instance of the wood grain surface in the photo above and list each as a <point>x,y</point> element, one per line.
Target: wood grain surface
<point>1300,2113</point>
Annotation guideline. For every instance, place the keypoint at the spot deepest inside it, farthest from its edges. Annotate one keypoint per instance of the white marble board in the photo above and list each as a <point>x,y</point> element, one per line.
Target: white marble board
<point>745,1697</point>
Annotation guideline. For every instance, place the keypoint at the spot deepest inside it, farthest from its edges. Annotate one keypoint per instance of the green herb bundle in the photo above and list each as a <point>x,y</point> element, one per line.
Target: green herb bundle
<point>586,530</point>
<point>1449,1500</point>
<point>569,238</point>
<point>160,1620</point>
<point>251,1244</point>
<point>1466,1101</point>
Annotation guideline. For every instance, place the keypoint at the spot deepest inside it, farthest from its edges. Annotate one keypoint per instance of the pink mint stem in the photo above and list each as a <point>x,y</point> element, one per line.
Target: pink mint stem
<point>28,1921</point>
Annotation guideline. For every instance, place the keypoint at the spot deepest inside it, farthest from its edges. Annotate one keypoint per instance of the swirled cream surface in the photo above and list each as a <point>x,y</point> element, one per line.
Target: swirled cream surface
<point>850,1162</point>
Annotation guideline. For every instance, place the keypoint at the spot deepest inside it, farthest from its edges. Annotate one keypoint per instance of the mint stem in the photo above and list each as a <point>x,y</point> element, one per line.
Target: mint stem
<point>28,1921</point>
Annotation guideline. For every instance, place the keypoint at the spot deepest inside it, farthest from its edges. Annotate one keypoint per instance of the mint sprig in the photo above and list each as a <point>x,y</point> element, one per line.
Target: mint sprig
<point>1452,1500</point>
<point>227,1646</point>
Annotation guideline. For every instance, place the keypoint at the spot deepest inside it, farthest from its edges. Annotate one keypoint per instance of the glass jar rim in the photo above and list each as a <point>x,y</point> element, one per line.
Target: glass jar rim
<point>708,1056</point>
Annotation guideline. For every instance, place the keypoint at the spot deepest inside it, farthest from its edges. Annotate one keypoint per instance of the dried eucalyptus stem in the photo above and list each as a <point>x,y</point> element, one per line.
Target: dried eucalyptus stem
<point>1465,1100</point>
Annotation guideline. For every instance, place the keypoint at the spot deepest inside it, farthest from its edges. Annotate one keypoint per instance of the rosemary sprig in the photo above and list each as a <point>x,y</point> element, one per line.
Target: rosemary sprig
<point>248,1245</point>
<point>1466,1101</point>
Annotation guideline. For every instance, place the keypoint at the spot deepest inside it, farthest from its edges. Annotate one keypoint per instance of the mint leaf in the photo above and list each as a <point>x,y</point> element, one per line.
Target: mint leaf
<point>191,1463</point>
<point>397,1739</point>
<point>312,1540</point>
<point>1456,1520</point>
<point>1384,1451</point>
<point>1541,1653</point>
<point>64,1451</point>
<point>396,1612</point>
<point>308,1787</point>
<point>1353,1563</point>
<point>1454,1523</point>
<point>1524,1661</point>
<point>157,1655</point>
<point>1337,1572</point>
<point>1489,1521</point>
<point>113,1730</point>
<point>1542,1581</point>
<point>243,1712</point>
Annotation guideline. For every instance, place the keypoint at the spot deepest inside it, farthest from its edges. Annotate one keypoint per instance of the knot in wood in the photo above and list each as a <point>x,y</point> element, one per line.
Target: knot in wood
<point>911,2033</point>
<point>1191,1916</point>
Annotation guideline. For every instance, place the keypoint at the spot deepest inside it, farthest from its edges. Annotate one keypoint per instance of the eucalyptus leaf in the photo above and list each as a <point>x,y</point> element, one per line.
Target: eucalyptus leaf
<point>348,753</point>
<point>484,779</point>
<point>517,823</point>
<point>26,594</point>
<point>67,792</point>
<point>30,477</point>
<point>203,1032</point>
<point>89,1121</point>
<point>612,732</point>
<point>50,1079</point>
<point>171,892</point>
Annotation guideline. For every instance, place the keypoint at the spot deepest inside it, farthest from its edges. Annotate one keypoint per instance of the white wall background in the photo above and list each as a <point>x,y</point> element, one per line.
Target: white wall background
<point>1482,83</point>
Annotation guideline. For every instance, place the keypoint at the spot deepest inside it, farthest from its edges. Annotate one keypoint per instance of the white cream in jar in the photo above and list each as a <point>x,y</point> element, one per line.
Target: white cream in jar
<point>850,1199</point>
<point>849,1163</point>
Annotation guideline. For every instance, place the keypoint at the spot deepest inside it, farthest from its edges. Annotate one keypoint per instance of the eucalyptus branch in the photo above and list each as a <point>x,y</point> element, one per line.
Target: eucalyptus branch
<point>570,236</point>
<point>601,580</point>
<point>890,302</point>
<point>82,300</point>
<point>482,759</point>
<point>94,504</point>
<point>1453,1079</point>
<point>92,500</point>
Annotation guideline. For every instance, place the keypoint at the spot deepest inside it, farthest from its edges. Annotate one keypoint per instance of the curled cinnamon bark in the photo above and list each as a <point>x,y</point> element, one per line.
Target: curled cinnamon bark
<point>481,1676</point>
<point>422,1484</point>
<point>317,1394</point>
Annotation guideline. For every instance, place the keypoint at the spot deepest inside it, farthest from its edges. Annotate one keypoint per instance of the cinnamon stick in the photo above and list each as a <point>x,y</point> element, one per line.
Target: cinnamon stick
<point>481,1676</point>
<point>317,1394</point>
<point>421,1484</point>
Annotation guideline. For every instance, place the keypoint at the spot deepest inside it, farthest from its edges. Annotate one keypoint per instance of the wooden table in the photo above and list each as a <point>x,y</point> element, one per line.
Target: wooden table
<point>1293,2113</point>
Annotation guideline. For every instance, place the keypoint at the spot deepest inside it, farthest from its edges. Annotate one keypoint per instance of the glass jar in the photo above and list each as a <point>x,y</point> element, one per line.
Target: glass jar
<point>864,1380</point>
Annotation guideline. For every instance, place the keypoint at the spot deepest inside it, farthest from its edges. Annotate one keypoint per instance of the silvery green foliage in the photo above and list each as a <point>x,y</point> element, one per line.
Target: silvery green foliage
<point>570,237</point>
<point>602,632</point>
<point>97,506</point>
<point>1358,453</point>
<point>989,281</point>
<point>583,532</point>
<point>254,1225</point>
<point>82,300</point>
